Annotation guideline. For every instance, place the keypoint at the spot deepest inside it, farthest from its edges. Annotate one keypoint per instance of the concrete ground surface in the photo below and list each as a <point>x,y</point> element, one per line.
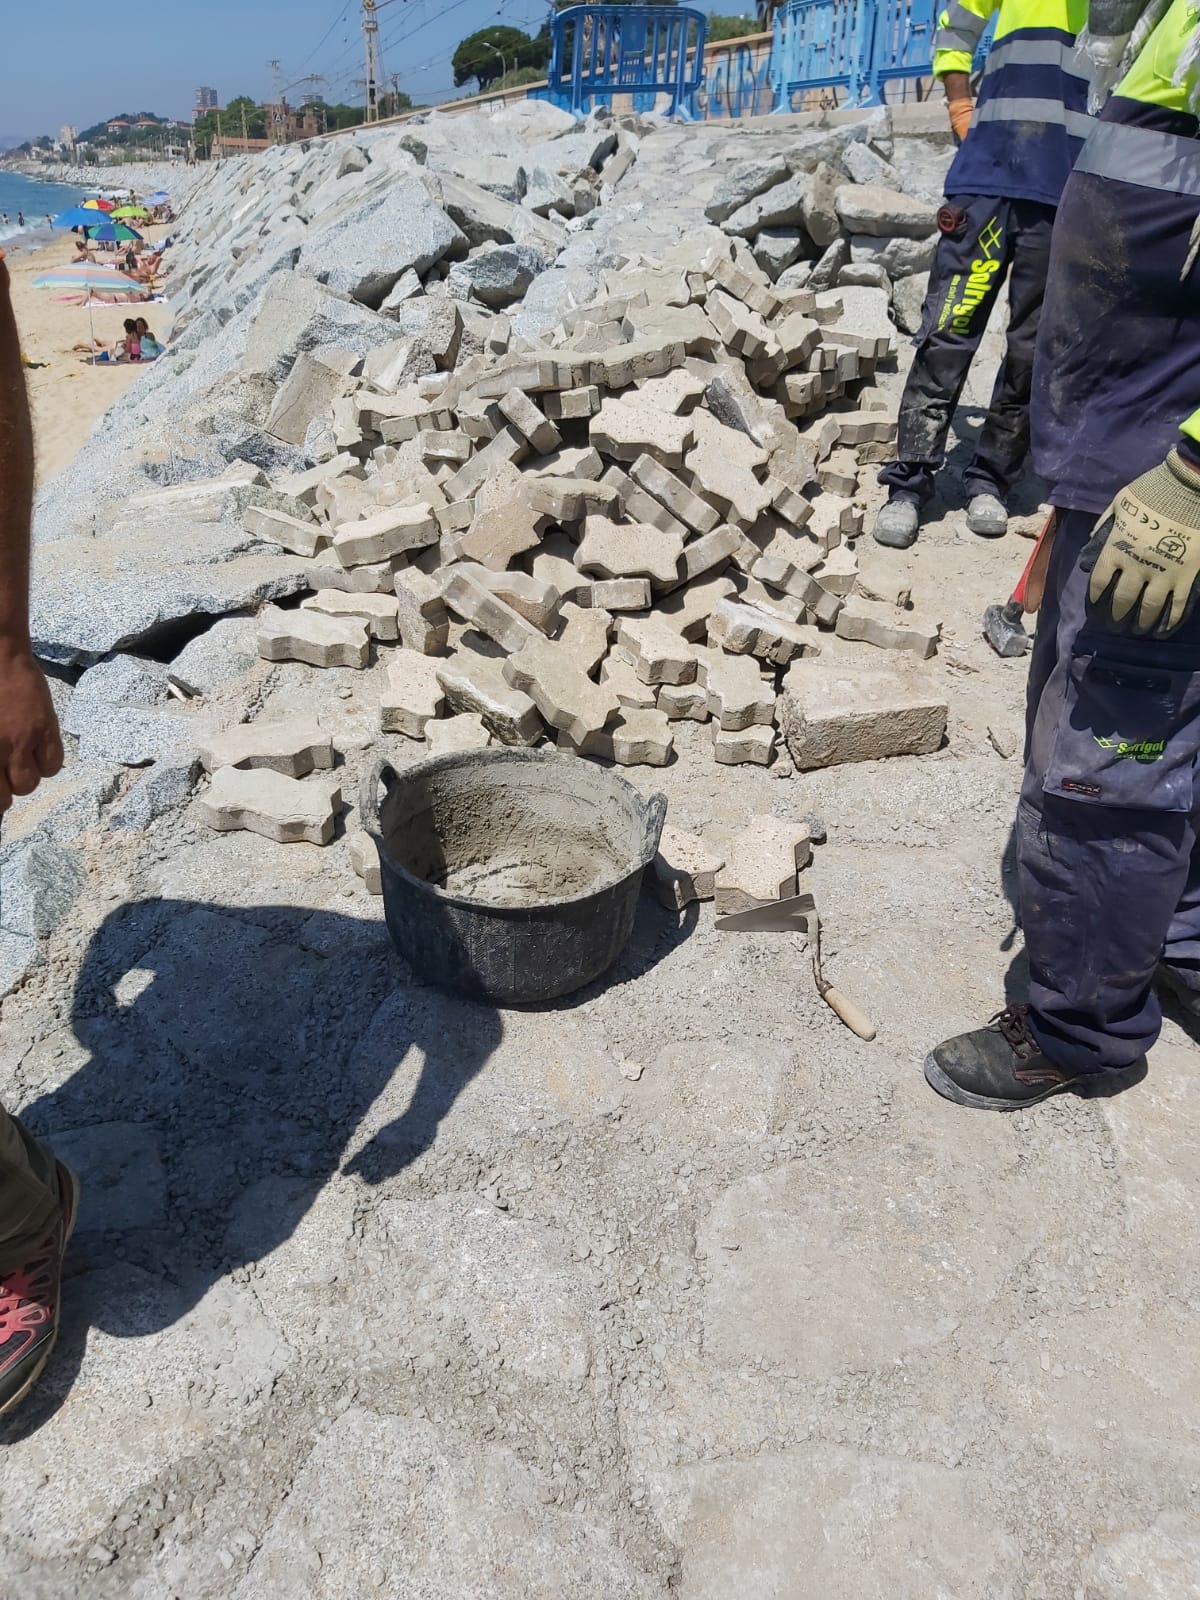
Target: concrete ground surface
<point>674,1288</point>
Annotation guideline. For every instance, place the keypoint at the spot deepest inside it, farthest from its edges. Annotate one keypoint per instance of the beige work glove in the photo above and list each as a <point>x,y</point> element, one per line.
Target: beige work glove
<point>1144,556</point>
<point>961,112</point>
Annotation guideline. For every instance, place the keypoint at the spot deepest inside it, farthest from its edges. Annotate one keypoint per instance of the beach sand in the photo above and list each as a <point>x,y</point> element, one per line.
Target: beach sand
<point>67,394</point>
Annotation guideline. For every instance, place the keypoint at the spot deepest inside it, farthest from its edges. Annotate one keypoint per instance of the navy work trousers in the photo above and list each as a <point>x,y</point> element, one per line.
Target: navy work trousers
<point>1109,865</point>
<point>1001,239</point>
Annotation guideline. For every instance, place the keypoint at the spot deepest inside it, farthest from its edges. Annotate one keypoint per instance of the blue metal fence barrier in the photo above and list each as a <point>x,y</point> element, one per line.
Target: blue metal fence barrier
<point>854,45</point>
<point>600,52</point>
<point>643,53</point>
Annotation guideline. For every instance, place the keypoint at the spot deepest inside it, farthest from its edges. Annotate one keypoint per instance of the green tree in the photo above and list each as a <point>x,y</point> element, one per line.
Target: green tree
<point>731,27</point>
<point>256,118</point>
<point>492,52</point>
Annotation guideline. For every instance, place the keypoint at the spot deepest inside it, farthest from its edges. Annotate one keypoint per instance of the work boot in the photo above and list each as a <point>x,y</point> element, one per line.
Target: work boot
<point>29,1304</point>
<point>987,516</point>
<point>997,1068</point>
<point>896,524</point>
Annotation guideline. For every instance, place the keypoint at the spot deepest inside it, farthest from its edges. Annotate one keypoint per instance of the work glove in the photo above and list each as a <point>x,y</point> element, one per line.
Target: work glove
<point>1144,556</point>
<point>961,112</point>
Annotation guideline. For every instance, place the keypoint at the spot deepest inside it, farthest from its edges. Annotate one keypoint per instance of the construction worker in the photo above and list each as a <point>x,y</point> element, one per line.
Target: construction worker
<point>38,1195</point>
<point>1016,149</point>
<point>1107,828</point>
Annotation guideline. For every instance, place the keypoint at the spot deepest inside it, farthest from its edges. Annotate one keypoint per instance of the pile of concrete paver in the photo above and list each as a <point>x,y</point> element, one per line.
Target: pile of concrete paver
<point>622,516</point>
<point>558,466</point>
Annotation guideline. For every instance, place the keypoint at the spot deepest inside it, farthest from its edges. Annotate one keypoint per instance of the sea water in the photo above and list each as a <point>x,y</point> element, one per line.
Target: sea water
<point>36,200</point>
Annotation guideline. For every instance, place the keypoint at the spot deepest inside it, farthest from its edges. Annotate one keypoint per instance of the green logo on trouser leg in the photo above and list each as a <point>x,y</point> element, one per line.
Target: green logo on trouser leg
<point>1143,750</point>
<point>964,296</point>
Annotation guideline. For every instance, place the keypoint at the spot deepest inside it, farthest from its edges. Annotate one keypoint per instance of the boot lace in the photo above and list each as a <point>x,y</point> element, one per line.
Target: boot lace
<point>1013,1025</point>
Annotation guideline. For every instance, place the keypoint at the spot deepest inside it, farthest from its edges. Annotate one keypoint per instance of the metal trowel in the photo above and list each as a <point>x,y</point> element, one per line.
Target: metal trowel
<point>799,914</point>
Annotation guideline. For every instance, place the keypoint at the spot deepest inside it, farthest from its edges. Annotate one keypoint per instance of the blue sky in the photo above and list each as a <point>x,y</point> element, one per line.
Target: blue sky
<point>60,64</point>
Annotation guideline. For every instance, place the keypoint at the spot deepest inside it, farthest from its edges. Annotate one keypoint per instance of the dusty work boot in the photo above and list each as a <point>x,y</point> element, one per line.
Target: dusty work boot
<point>896,524</point>
<point>987,516</point>
<point>997,1068</point>
<point>29,1304</point>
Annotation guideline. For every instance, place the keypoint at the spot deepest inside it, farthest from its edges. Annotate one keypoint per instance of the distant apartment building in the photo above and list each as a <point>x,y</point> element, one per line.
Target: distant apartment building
<point>68,137</point>
<point>206,100</point>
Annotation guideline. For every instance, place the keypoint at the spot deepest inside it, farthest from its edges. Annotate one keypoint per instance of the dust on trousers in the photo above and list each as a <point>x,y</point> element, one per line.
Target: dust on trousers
<point>1108,827</point>
<point>997,241</point>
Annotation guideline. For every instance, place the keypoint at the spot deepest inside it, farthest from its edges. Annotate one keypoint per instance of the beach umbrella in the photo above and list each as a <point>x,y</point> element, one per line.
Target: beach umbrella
<point>159,199</point>
<point>98,205</point>
<point>79,217</point>
<point>130,211</point>
<point>94,283</point>
<point>111,232</point>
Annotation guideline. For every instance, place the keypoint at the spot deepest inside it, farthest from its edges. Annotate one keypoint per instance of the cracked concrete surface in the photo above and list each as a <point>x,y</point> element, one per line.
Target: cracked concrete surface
<point>673,1289</point>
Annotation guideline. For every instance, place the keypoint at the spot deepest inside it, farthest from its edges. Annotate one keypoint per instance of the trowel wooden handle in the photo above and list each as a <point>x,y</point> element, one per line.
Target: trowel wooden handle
<point>857,1021</point>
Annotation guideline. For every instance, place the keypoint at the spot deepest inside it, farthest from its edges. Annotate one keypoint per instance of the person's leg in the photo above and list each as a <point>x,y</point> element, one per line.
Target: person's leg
<point>39,1198</point>
<point>968,273</point>
<point>1004,439</point>
<point>1101,883</point>
<point>1106,831</point>
<point>29,1199</point>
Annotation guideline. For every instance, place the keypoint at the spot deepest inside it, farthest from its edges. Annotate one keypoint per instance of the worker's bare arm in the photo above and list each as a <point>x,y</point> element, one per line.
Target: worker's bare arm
<point>30,745</point>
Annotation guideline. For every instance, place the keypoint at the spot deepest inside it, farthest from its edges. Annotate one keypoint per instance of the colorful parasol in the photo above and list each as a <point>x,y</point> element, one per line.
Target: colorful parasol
<point>110,231</point>
<point>95,283</point>
<point>130,211</point>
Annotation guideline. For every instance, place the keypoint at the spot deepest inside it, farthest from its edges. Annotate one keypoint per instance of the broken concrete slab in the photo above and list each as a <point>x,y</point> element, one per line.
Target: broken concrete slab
<point>391,532</point>
<point>630,426</point>
<point>735,693</point>
<point>761,865</point>
<point>883,213</point>
<point>585,635</point>
<point>466,591</point>
<point>476,684</point>
<point>566,698</point>
<point>294,746</point>
<point>650,475</point>
<point>453,734</point>
<point>628,550</point>
<point>289,533</point>
<point>506,524</point>
<point>887,627</point>
<point>413,696</point>
<point>831,713</point>
<point>685,869</point>
<point>307,393</point>
<point>364,858</point>
<point>379,611</point>
<point>753,746</point>
<point>308,636</point>
<point>741,629</point>
<point>518,409</point>
<point>688,609</point>
<point>659,654</point>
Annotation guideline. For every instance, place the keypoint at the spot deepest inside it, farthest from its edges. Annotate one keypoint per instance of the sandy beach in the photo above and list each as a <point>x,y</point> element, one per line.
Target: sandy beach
<point>68,394</point>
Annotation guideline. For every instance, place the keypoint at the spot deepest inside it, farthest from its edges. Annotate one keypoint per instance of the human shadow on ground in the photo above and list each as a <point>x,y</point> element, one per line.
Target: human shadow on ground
<point>227,1046</point>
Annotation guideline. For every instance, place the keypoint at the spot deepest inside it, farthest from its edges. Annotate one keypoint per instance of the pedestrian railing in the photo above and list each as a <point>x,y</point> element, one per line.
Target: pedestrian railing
<point>600,53</point>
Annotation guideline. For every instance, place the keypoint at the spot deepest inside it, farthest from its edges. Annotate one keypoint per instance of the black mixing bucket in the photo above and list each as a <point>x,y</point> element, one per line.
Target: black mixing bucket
<point>509,875</point>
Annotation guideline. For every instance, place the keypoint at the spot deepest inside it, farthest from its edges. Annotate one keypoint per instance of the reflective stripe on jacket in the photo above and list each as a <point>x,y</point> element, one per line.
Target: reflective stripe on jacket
<point>1031,117</point>
<point>1118,362</point>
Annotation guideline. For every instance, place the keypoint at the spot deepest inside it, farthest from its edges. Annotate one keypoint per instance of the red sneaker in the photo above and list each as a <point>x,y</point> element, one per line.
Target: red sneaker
<point>29,1304</point>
